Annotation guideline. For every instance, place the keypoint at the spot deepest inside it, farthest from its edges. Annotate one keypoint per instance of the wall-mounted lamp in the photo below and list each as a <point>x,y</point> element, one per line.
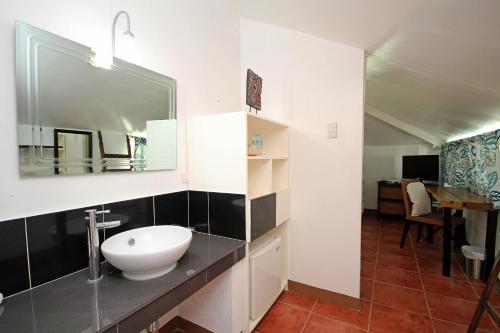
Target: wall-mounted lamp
<point>127,33</point>
<point>105,59</point>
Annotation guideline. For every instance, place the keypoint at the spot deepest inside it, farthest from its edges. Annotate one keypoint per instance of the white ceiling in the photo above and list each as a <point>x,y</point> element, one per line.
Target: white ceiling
<point>379,133</point>
<point>433,65</point>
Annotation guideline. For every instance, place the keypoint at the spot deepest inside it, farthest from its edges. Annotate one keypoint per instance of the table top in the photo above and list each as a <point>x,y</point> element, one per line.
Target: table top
<point>459,198</point>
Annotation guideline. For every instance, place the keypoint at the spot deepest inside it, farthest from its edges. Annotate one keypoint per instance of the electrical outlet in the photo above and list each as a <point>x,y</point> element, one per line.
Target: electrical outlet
<point>332,130</point>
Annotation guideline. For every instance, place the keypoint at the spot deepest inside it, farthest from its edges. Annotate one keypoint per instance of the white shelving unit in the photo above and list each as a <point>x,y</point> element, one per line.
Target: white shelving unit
<point>218,159</point>
<point>267,173</point>
<point>218,162</point>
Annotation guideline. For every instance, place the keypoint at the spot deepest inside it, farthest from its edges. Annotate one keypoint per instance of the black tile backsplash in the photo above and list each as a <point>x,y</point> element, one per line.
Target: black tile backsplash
<point>172,208</point>
<point>227,215</point>
<point>13,258</point>
<point>263,215</point>
<point>135,213</point>
<point>198,210</point>
<point>57,242</point>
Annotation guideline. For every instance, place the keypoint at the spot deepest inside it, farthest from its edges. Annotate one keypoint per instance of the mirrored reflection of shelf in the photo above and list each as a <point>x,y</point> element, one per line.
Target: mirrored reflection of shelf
<point>31,146</point>
<point>268,157</point>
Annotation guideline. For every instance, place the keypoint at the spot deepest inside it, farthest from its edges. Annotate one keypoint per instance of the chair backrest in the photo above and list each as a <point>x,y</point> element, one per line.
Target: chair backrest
<point>406,197</point>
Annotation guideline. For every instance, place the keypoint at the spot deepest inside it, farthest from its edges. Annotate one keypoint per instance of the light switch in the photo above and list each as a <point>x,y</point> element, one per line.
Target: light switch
<point>332,130</point>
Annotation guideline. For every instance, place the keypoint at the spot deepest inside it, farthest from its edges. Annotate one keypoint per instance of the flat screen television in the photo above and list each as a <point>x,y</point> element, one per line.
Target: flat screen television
<point>425,167</point>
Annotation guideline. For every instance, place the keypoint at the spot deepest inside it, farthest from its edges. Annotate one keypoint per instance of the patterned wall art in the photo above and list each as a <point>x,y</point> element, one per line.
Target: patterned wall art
<point>254,90</point>
<point>474,163</point>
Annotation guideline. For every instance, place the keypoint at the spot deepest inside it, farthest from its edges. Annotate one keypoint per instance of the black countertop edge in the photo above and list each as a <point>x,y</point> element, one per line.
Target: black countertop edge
<point>116,304</point>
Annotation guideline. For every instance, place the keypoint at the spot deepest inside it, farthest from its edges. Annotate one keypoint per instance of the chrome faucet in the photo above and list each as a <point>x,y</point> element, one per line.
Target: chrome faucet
<point>93,241</point>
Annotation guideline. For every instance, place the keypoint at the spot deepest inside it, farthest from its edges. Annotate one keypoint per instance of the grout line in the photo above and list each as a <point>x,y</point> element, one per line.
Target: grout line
<point>399,286</point>
<point>402,310</point>
<point>453,298</point>
<point>340,322</point>
<point>422,282</point>
<point>292,305</point>
<point>27,251</point>
<point>189,220</point>
<point>309,316</point>
<point>465,326</point>
<point>208,212</point>
<point>154,211</point>
<point>374,275</point>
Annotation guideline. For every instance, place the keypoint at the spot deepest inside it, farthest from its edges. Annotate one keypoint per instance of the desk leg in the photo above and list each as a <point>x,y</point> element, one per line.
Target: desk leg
<point>491,235</point>
<point>447,241</point>
<point>430,234</point>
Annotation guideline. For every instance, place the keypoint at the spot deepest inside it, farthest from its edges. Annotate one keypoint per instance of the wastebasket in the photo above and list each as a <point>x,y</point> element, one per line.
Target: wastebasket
<point>474,256</point>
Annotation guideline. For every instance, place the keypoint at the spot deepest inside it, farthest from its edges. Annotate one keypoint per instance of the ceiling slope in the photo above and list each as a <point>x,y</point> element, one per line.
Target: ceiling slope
<point>433,65</point>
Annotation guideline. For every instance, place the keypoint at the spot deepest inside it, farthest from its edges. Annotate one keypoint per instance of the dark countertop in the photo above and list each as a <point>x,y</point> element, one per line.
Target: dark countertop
<point>114,304</point>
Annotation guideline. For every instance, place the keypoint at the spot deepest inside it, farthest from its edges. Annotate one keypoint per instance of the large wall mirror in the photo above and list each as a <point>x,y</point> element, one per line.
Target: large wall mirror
<point>75,117</point>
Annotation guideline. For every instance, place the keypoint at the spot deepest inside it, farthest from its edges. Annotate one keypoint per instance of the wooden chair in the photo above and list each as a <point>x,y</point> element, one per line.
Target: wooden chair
<point>431,220</point>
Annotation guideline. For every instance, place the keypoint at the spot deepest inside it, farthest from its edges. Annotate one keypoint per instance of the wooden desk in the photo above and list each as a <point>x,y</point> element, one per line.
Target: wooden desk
<point>460,199</point>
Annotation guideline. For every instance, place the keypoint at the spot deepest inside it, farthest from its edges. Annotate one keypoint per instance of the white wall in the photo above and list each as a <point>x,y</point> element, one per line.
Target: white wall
<point>307,82</point>
<point>195,42</point>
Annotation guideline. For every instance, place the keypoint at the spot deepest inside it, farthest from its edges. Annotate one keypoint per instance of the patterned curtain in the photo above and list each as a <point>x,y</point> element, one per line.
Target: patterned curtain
<point>474,163</point>
<point>139,151</point>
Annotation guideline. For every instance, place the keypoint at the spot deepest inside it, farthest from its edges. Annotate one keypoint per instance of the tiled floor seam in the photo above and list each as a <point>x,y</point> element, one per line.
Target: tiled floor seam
<point>451,322</point>
<point>400,309</point>
<point>468,301</point>
<point>400,286</point>
<point>406,270</point>
<point>374,275</point>
<point>423,286</point>
<point>453,298</point>
<point>294,305</point>
<point>309,316</point>
<point>339,321</point>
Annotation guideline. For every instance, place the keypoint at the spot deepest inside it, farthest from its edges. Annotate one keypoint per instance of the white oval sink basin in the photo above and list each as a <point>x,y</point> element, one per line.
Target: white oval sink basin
<point>147,253</point>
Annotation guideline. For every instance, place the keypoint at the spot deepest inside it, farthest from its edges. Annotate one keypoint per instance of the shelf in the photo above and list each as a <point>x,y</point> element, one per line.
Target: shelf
<point>274,136</point>
<point>259,177</point>
<point>280,189</point>
<point>268,157</point>
<point>252,196</point>
<point>256,119</point>
<point>279,175</point>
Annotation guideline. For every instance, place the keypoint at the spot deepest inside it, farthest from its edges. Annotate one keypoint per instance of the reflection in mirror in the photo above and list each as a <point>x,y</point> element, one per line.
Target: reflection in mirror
<point>74,117</point>
<point>72,146</point>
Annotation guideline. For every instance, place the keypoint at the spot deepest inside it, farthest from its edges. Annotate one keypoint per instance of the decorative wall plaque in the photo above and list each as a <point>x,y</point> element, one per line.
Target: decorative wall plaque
<point>254,90</point>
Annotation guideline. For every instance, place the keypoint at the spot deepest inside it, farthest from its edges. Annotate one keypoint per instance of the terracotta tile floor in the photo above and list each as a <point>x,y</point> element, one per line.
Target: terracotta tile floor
<point>402,290</point>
